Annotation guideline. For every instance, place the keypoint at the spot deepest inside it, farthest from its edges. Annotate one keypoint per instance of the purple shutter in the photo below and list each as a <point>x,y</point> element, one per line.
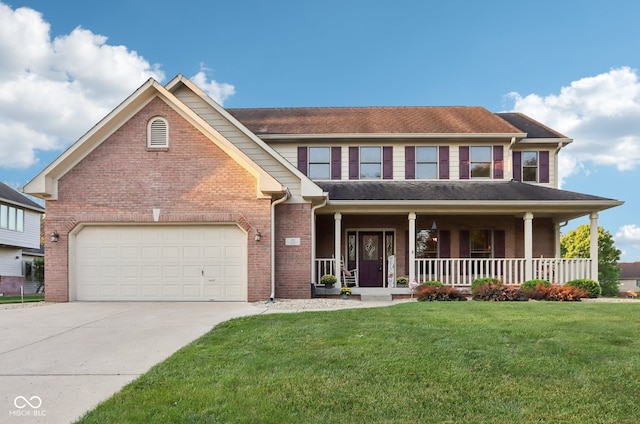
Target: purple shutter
<point>544,166</point>
<point>499,248</point>
<point>498,162</point>
<point>354,163</point>
<point>443,168</point>
<point>336,165</point>
<point>409,162</point>
<point>444,241</point>
<point>517,166</point>
<point>465,244</point>
<point>387,162</point>
<point>464,162</point>
<point>302,160</point>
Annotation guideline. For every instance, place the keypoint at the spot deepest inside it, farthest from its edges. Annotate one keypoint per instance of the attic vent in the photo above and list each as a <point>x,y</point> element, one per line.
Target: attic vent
<point>158,133</point>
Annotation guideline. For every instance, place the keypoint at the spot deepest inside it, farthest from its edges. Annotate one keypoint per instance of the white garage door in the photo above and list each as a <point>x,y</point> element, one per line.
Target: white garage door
<point>161,263</point>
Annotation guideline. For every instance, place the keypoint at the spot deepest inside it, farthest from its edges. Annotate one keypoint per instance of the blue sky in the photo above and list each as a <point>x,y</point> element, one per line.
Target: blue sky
<point>570,64</point>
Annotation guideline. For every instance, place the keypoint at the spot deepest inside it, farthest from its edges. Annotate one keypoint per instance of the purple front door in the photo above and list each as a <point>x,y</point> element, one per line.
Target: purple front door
<point>371,263</point>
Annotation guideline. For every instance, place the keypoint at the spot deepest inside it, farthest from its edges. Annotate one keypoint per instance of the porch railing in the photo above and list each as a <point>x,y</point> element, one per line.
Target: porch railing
<point>512,271</point>
<point>324,266</point>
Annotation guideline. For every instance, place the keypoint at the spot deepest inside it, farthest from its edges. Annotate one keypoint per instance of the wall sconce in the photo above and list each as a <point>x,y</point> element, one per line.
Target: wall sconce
<point>55,236</point>
<point>434,226</point>
<point>434,232</point>
<point>258,236</point>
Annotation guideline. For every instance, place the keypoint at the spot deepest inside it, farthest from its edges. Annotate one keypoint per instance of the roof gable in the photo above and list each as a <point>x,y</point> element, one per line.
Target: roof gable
<point>45,184</point>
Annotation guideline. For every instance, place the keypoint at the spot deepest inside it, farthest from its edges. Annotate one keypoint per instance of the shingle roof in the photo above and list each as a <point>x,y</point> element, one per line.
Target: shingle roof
<point>11,196</point>
<point>374,120</point>
<point>448,190</point>
<point>533,128</point>
<point>629,270</point>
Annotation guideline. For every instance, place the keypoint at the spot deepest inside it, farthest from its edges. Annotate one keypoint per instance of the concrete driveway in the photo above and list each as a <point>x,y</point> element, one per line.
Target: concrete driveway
<point>58,361</point>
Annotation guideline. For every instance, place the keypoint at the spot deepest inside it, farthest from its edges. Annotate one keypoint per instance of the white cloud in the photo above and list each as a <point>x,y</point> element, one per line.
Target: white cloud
<point>53,90</point>
<point>601,114</point>
<point>628,235</point>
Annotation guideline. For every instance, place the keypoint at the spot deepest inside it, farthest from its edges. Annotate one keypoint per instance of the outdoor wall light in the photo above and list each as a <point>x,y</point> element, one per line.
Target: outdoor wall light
<point>55,236</point>
<point>258,235</point>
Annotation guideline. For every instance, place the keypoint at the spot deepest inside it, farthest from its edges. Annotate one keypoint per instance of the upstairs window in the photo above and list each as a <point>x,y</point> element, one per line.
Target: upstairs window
<point>480,162</point>
<point>427,162</point>
<point>319,163</point>
<point>11,218</point>
<point>370,163</point>
<point>158,133</point>
<point>530,166</point>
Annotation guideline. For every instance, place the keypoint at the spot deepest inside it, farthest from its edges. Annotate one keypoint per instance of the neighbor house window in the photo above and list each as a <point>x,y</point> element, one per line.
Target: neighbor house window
<point>530,166</point>
<point>158,133</point>
<point>11,218</point>
<point>427,162</point>
<point>480,162</point>
<point>319,163</point>
<point>370,163</point>
<point>481,244</point>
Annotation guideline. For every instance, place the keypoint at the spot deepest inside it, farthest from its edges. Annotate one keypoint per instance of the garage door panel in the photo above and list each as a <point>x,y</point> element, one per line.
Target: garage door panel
<point>161,263</point>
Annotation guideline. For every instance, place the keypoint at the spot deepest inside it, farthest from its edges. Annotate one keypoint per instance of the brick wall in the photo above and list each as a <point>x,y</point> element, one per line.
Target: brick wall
<point>293,262</point>
<point>191,181</point>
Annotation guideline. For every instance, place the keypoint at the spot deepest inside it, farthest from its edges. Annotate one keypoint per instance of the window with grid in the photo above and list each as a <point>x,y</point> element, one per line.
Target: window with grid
<point>426,162</point>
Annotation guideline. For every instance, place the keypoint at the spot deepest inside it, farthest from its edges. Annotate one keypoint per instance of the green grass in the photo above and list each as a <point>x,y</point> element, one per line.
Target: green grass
<point>439,362</point>
<point>18,299</point>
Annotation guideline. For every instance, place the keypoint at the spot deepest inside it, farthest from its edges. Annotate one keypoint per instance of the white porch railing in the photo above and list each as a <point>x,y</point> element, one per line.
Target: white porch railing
<point>324,266</point>
<point>512,271</point>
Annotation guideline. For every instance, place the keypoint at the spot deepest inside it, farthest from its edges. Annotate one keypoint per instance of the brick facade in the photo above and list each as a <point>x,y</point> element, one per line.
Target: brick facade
<point>121,181</point>
<point>293,260</point>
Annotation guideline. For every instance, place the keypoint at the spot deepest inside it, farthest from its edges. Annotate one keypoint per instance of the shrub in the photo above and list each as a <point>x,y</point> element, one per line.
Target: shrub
<point>433,283</point>
<point>427,292</point>
<point>498,292</point>
<point>592,287</point>
<point>531,284</point>
<point>558,293</point>
<point>479,282</point>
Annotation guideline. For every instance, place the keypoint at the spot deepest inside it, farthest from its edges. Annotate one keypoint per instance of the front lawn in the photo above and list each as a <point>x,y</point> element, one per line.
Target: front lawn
<point>440,362</point>
<point>18,299</point>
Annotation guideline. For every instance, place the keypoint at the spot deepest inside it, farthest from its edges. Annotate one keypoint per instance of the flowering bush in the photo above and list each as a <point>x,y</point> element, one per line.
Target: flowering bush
<point>328,280</point>
<point>498,292</point>
<point>427,292</point>
<point>564,293</point>
<point>346,291</point>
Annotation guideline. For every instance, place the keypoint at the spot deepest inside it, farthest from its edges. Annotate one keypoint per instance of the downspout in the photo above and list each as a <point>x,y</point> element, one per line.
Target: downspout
<point>273,242</point>
<point>313,236</point>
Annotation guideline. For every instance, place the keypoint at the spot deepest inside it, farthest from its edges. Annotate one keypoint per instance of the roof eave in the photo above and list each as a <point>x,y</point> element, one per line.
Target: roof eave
<point>389,135</point>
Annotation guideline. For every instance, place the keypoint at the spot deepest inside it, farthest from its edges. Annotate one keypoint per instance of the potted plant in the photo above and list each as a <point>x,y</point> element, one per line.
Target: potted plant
<point>345,292</point>
<point>402,281</point>
<point>328,280</point>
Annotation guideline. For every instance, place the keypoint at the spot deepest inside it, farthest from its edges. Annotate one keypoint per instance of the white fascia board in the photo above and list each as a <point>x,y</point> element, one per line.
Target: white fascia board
<point>45,184</point>
<point>554,141</point>
<point>296,137</point>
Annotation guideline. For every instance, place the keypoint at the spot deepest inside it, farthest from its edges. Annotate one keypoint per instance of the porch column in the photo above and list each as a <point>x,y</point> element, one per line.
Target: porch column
<point>593,245</point>
<point>412,246</point>
<point>337,222</point>
<point>528,246</point>
<point>556,238</point>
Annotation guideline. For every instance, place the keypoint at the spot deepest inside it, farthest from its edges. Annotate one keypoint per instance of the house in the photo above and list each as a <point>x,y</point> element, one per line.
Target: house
<point>173,197</point>
<point>19,229</point>
<point>629,278</point>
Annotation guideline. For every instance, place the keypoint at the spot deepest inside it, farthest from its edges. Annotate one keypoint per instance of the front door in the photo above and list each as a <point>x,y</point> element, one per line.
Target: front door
<point>371,263</point>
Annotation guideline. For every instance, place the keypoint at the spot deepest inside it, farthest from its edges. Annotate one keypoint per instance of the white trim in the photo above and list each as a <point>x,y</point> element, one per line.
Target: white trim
<point>298,137</point>
<point>157,133</point>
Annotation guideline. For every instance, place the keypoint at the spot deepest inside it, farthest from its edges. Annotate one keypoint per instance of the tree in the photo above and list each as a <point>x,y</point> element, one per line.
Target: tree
<point>577,243</point>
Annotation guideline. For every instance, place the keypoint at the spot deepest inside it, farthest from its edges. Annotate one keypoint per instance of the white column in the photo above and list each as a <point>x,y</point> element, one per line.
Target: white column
<point>412,246</point>
<point>337,217</point>
<point>556,238</point>
<point>593,245</point>
<point>528,246</point>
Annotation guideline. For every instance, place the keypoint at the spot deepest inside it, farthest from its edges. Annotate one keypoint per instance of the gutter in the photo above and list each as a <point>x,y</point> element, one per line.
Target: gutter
<point>273,242</point>
<point>313,234</point>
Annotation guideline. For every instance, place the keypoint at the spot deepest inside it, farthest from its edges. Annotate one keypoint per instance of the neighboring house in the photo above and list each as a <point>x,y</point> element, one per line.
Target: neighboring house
<point>629,277</point>
<point>173,197</point>
<point>19,229</point>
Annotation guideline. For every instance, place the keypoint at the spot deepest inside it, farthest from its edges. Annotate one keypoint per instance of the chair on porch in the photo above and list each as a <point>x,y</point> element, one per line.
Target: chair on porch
<point>349,276</point>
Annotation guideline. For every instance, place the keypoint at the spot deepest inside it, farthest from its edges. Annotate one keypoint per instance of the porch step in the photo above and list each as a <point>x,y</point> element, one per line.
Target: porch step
<point>382,297</point>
